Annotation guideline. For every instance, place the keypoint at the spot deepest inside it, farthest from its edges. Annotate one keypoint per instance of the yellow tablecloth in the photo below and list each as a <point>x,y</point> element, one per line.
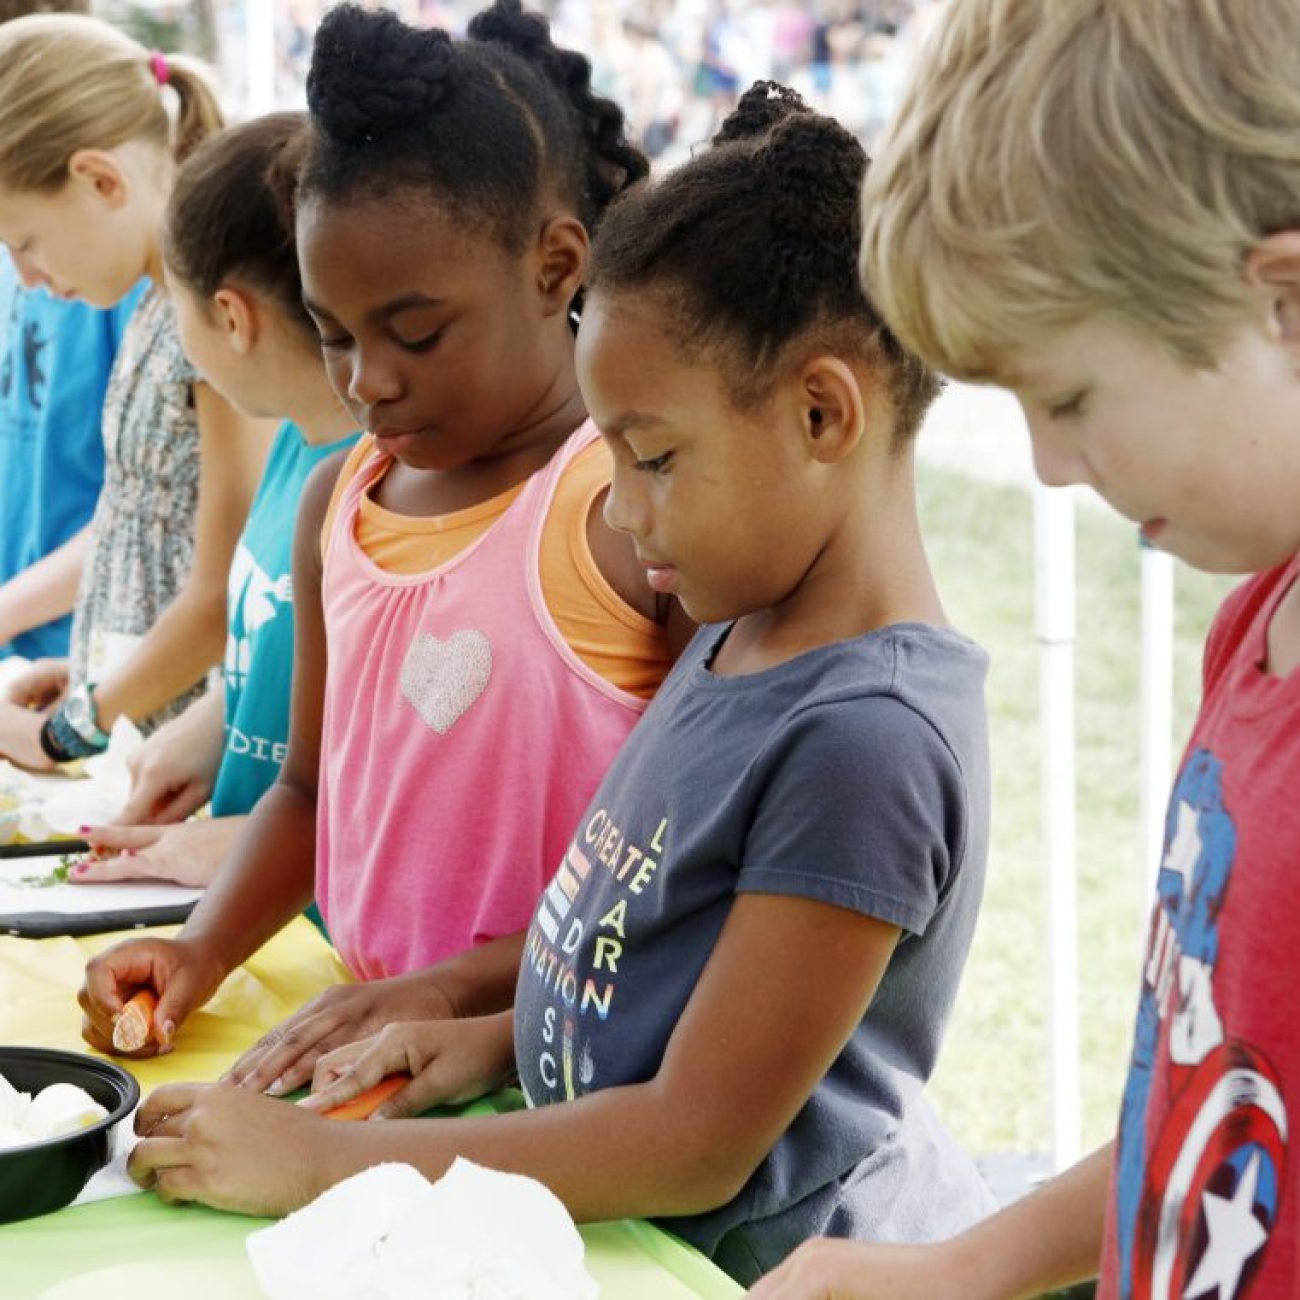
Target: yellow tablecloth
<point>138,1247</point>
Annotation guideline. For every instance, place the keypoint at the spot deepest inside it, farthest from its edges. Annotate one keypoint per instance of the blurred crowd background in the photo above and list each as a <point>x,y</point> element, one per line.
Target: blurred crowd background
<point>675,66</point>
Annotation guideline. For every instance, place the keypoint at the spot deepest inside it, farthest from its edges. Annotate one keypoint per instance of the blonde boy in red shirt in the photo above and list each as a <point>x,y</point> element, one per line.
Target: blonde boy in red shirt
<point>1096,203</point>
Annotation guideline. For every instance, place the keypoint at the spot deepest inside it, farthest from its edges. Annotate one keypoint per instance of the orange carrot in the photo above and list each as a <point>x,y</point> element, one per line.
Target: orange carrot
<point>364,1104</point>
<point>133,1027</point>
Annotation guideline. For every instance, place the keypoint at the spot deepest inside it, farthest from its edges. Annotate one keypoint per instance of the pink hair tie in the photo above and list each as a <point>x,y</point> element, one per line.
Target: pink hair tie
<point>158,66</point>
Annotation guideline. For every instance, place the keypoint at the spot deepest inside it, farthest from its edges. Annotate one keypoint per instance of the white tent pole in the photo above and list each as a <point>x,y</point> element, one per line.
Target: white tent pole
<point>1055,618</point>
<point>259,23</point>
<point>1156,751</point>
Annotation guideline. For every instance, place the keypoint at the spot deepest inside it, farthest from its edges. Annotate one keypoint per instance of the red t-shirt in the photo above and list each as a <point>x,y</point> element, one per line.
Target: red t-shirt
<point>1205,1195</point>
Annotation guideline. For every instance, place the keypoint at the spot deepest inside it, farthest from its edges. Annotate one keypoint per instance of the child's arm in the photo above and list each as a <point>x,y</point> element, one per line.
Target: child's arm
<point>270,874</point>
<point>190,636</point>
<point>45,590</point>
<point>1045,1241</point>
<point>785,987</point>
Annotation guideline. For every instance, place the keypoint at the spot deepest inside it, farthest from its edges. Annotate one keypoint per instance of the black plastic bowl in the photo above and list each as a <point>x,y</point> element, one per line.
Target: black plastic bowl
<point>45,1176</point>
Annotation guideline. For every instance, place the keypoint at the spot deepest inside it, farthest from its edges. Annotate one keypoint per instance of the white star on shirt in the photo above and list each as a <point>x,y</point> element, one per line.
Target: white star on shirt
<point>1235,1234</point>
<point>1184,851</point>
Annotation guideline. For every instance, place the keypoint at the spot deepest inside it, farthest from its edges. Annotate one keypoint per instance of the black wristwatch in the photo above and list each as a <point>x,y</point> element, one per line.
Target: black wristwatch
<point>72,731</point>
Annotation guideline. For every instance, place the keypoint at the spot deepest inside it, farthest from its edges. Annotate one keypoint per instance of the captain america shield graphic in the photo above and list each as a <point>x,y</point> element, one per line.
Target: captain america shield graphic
<point>1210,1198</point>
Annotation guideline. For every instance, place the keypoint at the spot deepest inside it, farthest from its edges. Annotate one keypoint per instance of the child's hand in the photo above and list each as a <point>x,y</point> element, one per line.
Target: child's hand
<point>20,737</point>
<point>285,1058</point>
<point>829,1269</point>
<point>41,686</point>
<point>231,1149</point>
<point>450,1061</point>
<point>182,974</point>
<point>174,771</point>
<point>188,854</point>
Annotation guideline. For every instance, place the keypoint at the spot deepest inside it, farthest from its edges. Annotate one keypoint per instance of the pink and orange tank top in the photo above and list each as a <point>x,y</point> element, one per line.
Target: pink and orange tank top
<point>464,731</point>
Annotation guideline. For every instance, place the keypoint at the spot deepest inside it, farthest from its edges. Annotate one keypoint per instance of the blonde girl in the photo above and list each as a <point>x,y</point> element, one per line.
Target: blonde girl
<point>92,127</point>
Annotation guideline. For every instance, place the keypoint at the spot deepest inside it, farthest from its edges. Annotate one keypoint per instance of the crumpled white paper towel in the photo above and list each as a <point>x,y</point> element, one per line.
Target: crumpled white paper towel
<point>41,806</point>
<point>113,1181</point>
<point>54,1111</point>
<point>390,1234</point>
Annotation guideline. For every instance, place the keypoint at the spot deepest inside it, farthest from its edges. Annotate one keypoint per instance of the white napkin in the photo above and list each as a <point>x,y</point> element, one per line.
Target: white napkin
<point>389,1234</point>
<point>41,806</point>
<point>112,1181</point>
<point>52,1112</point>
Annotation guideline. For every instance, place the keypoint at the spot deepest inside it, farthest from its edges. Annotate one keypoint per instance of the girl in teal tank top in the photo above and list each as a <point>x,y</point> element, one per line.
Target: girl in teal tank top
<point>233,274</point>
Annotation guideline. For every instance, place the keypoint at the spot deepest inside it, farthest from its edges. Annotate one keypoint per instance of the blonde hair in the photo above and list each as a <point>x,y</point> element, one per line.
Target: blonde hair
<point>1056,160</point>
<point>69,82</point>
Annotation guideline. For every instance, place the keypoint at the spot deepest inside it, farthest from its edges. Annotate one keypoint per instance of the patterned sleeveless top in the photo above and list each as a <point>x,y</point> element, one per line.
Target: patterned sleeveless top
<point>142,534</point>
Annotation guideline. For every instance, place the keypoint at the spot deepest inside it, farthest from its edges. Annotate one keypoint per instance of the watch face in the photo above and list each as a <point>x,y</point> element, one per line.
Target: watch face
<point>80,714</point>
<point>78,710</point>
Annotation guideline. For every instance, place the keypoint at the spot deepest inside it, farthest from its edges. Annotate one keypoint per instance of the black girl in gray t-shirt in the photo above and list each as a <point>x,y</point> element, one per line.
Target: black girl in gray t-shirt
<point>734,989</point>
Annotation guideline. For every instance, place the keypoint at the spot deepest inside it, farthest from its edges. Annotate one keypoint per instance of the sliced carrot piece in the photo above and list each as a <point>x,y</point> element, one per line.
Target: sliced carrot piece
<point>133,1027</point>
<point>364,1104</point>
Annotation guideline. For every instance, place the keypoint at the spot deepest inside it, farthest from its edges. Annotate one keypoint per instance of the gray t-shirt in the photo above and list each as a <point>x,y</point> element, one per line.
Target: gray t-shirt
<point>856,774</point>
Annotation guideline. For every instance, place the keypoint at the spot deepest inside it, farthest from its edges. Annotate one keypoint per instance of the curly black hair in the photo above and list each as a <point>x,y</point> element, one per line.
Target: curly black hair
<point>488,125</point>
<point>752,246</point>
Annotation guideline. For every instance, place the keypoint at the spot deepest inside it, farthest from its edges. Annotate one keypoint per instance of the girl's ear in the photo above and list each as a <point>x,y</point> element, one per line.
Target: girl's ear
<point>562,249</point>
<point>99,171</point>
<point>1273,266</point>
<point>833,408</point>
<point>238,319</point>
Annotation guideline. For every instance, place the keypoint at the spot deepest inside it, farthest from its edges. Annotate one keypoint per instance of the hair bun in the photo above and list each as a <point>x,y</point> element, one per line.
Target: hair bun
<point>371,74</point>
<point>813,169</point>
<point>506,23</point>
<point>760,108</point>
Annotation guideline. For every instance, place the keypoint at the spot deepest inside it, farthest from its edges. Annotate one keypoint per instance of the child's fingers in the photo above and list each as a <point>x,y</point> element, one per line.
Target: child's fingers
<point>99,1036</point>
<point>153,1157</point>
<point>112,977</point>
<point>336,1082</point>
<point>138,810</point>
<point>177,1185</point>
<point>336,1065</point>
<point>167,1104</point>
<point>103,871</point>
<point>120,837</point>
<point>427,1089</point>
<point>286,1057</point>
<point>176,805</point>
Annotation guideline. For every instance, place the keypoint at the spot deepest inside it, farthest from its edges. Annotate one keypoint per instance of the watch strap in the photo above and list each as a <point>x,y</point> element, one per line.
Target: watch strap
<point>62,742</point>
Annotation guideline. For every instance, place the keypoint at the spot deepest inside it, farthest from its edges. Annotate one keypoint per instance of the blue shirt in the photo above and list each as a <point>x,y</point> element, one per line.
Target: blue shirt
<point>54,367</point>
<point>259,643</point>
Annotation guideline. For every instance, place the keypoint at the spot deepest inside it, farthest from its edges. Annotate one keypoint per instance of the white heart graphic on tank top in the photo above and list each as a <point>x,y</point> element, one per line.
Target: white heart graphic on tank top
<point>442,679</point>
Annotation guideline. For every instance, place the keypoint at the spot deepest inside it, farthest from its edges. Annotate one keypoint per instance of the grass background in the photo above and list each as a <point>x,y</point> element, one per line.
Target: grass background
<point>992,1083</point>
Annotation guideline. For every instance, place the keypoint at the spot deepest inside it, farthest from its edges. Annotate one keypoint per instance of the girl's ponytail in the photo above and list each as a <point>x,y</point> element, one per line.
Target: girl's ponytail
<point>70,82</point>
<point>199,112</point>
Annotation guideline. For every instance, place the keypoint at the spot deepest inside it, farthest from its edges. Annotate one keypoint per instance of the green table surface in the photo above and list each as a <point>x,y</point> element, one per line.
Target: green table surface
<point>137,1247</point>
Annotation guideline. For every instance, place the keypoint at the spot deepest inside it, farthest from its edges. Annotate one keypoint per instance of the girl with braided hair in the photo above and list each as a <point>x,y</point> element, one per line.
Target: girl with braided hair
<point>472,642</point>
<point>735,986</point>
